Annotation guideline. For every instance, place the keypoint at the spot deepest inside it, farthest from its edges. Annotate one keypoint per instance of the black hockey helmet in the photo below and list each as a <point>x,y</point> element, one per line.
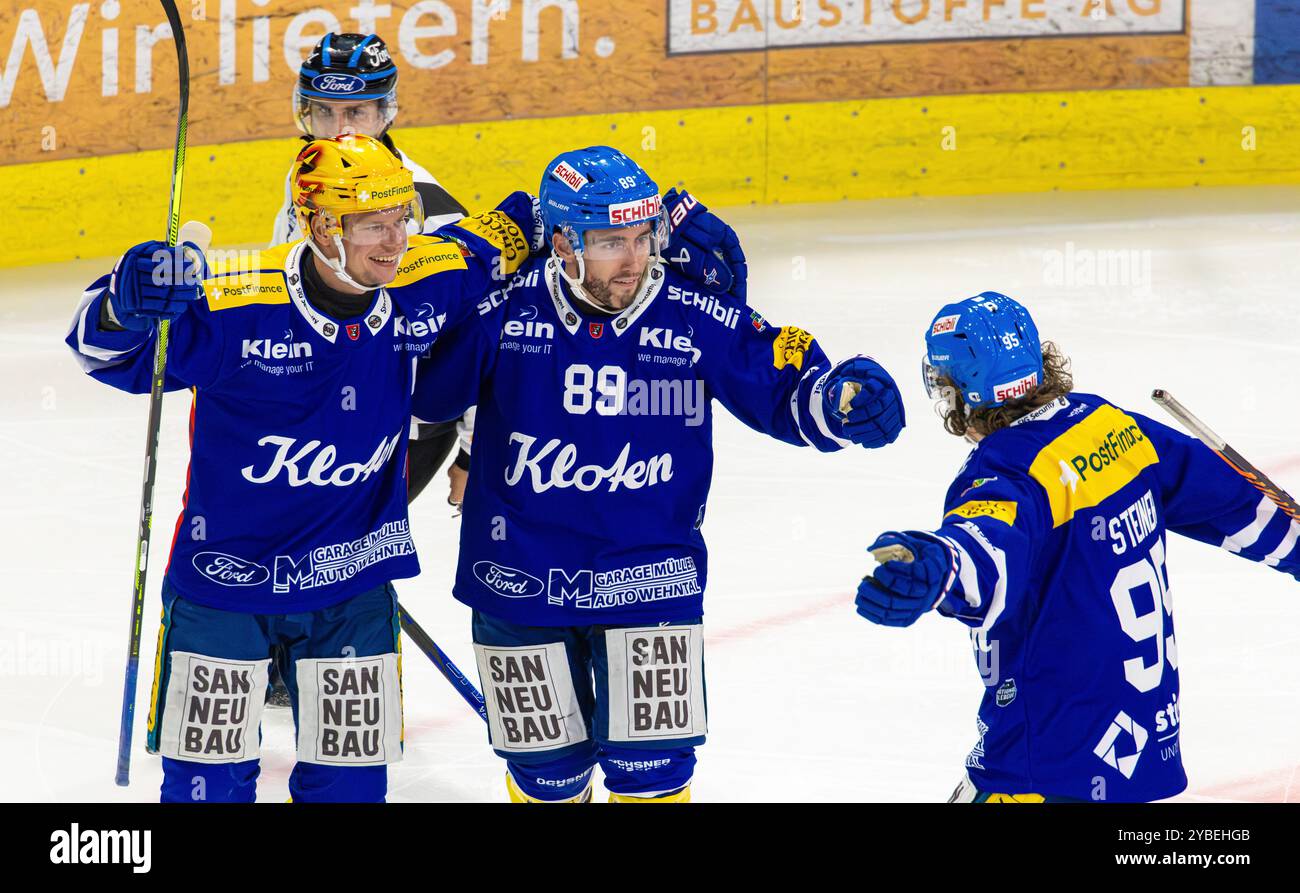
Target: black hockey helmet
<point>346,68</point>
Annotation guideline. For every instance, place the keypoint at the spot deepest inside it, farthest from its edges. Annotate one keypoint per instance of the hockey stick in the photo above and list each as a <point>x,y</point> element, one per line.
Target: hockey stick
<point>440,660</point>
<point>1261,482</point>
<point>155,411</point>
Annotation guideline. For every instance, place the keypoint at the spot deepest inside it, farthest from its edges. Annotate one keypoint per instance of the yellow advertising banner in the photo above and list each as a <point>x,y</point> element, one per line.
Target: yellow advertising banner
<point>95,78</point>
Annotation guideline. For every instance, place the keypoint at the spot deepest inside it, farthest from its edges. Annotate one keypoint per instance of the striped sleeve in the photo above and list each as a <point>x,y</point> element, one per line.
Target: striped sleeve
<point>1207,500</point>
<point>989,524</point>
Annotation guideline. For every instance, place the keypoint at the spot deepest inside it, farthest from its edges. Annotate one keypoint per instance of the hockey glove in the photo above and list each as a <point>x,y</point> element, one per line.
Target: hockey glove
<point>703,248</point>
<point>874,415</point>
<point>155,281</point>
<point>526,212</point>
<point>901,590</point>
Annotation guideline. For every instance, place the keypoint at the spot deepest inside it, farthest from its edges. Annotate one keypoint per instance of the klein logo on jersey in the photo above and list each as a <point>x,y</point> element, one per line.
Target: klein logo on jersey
<point>507,582</point>
<point>420,328</point>
<point>228,570</point>
<point>1013,389</point>
<point>945,324</point>
<point>266,349</point>
<point>321,472</point>
<point>527,328</point>
<point>570,177</point>
<point>664,339</point>
<point>338,84</point>
<point>626,213</point>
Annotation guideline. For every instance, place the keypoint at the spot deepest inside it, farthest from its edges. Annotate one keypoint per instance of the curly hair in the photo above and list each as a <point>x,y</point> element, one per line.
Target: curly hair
<point>1057,382</point>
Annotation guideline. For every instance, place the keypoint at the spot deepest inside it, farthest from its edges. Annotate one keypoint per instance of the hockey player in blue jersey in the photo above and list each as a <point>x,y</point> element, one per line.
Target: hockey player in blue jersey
<point>294,521</point>
<point>581,549</point>
<point>1052,551</point>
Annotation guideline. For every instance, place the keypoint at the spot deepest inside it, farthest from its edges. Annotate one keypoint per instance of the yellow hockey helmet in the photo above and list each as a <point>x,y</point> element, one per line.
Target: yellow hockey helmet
<point>350,174</point>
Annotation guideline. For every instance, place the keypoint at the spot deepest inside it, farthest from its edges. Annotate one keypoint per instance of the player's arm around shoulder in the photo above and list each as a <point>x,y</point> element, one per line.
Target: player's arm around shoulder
<point>498,242</point>
<point>449,377</point>
<point>116,325</point>
<point>994,520</point>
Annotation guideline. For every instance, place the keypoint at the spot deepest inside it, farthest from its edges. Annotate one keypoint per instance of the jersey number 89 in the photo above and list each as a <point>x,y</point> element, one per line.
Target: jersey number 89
<point>611,385</point>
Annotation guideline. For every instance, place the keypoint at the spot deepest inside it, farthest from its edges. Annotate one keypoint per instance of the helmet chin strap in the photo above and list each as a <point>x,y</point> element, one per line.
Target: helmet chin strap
<point>580,291</point>
<point>337,265</point>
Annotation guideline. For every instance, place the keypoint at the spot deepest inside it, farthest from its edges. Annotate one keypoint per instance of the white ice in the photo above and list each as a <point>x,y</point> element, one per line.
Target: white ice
<point>807,701</point>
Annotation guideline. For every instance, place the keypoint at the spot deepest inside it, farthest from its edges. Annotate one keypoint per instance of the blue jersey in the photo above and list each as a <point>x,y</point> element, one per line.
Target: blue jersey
<point>296,492</point>
<point>1057,527</point>
<point>593,447</point>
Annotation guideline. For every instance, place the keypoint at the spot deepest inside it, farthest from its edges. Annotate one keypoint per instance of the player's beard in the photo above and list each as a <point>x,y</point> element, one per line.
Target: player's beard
<point>601,291</point>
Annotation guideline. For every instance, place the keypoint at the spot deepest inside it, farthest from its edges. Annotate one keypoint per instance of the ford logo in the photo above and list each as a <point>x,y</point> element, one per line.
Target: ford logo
<point>506,581</point>
<point>338,83</point>
<point>229,570</point>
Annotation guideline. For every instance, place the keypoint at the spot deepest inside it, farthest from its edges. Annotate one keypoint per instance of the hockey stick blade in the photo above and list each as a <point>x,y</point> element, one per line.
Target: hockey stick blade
<point>439,659</point>
<point>1261,482</point>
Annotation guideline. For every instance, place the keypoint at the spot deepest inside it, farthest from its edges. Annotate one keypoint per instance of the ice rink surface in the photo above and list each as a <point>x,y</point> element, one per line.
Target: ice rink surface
<point>808,702</point>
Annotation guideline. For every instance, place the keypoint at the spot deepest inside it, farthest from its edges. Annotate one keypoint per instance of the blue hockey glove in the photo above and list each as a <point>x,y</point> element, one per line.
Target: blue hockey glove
<point>703,248</point>
<point>899,592</point>
<point>154,281</point>
<point>875,415</point>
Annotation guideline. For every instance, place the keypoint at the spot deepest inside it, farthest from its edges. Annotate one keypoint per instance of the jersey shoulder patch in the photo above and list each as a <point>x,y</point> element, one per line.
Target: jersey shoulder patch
<point>426,256</point>
<point>255,277</point>
<point>1091,460</point>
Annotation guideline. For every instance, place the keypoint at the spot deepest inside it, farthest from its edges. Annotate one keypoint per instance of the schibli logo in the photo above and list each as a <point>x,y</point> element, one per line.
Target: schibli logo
<point>555,465</point>
<point>341,84</point>
<point>266,349</point>
<point>495,298</point>
<point>320,469</point>
<point>507,581</point>
<point>710,304</point>
<point>626,213</point>
<point>569,176</point>
<point>945,324</point>
<point>664,339</point>
<point>1013,389</point>
<point>228,570</point>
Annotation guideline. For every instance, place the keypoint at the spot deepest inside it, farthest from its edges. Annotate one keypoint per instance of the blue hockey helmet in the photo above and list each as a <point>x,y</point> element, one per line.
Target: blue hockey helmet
<point>599,188</point>
<point>987,346</point>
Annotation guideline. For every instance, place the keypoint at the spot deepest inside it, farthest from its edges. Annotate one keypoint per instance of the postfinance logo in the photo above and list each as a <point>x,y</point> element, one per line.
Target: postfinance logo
<point>1091,461</point>
<point>241,289</point>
